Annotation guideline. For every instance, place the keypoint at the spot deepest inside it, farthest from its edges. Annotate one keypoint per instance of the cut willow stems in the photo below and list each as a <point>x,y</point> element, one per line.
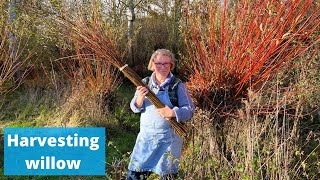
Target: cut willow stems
<point>180,129</point>
<point>94,37</point>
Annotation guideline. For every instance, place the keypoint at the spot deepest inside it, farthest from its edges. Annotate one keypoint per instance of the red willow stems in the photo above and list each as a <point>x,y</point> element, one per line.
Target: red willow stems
<point>242,45</point>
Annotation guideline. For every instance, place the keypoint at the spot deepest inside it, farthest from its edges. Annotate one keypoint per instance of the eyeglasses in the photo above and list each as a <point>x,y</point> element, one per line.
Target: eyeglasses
<point>159,65</point>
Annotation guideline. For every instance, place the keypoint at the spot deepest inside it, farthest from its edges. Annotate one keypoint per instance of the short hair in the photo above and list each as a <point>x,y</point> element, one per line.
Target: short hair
<point>163,52</point>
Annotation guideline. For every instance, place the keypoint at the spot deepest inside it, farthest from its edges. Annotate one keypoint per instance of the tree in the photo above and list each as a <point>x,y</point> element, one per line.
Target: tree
<point>12,37</point>
<point>131,18</point>
<point>131,5</point>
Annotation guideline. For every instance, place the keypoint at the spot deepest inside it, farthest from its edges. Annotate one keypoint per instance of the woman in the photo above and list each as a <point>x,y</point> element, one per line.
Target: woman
<point>158,147</point>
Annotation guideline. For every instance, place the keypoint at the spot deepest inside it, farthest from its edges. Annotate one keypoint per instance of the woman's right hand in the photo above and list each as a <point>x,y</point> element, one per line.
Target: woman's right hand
<point>142,92</point>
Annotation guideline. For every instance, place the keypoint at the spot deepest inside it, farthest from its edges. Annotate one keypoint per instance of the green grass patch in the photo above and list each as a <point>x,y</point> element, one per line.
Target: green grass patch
<point>34,107</point>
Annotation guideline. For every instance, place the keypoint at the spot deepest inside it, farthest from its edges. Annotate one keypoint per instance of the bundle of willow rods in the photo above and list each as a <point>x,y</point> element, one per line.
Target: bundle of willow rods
<point>95,38</point>
<point>180,129</point>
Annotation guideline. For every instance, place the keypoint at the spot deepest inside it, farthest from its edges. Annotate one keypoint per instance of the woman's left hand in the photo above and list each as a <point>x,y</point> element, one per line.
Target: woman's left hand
<point>166,112</point>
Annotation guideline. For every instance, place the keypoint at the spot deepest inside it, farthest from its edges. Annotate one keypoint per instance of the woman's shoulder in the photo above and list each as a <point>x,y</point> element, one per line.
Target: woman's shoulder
<point>179,84</point>
<point>146,79</point>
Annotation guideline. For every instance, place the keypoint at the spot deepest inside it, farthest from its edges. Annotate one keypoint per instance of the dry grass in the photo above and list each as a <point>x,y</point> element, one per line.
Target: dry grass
<point>251,146</point>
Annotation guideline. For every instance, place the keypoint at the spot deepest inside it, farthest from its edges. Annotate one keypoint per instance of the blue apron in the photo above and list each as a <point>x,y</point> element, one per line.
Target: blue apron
<point>158,147</point>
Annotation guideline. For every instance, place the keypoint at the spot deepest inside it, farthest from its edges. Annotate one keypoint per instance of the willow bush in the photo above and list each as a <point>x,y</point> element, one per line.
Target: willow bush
<point>233,48</point>
<point>247,63</point>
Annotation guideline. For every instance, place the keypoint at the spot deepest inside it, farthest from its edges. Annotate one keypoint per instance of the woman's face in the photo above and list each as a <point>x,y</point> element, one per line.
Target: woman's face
<point>162,65</point>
